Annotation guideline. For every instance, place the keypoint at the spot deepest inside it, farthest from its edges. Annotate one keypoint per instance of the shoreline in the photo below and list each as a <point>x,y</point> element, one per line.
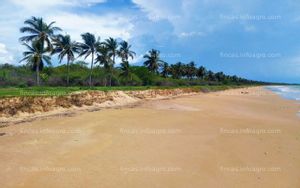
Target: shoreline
<point>138,101</point>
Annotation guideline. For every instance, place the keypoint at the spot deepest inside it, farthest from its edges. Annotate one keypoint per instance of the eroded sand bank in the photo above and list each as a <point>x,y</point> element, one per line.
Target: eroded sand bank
<point>236,138</point>
<point>27,108</point>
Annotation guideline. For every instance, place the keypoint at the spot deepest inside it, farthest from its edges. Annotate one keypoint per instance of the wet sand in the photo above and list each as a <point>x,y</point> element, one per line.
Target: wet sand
<point>235,138</point>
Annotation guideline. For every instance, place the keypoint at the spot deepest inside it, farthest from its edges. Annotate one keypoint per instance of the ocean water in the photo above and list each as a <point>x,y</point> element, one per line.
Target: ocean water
<point>288,92</point>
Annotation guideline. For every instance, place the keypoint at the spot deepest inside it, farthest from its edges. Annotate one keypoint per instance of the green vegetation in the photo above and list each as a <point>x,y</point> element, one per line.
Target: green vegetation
<point>61,91</point>
<point>43,41</point>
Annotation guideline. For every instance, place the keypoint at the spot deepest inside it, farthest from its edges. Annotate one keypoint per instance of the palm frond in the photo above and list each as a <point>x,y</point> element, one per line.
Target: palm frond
<point>28,47</point>
<point>23,59</point>
<point>29,30</point>
<point>47,59</point>
<point>28,38</point>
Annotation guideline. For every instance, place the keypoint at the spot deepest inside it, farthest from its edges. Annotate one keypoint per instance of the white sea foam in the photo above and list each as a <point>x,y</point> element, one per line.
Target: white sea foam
<point>288,92</point>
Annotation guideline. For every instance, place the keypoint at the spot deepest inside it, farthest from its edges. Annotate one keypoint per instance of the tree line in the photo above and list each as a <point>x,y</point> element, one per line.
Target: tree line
<point>43,40</point>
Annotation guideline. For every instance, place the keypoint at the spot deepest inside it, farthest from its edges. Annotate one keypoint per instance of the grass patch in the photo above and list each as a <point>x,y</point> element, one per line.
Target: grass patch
<point>61,91</point>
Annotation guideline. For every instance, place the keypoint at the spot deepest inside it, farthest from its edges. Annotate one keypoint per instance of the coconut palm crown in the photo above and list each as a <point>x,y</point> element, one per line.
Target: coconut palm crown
<point>38,30</point>
<point>153,61</point>
<point>36,56</point>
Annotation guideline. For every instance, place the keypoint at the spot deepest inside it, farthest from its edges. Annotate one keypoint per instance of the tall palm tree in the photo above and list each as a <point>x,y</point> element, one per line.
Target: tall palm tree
<point>112,46</point>
<point>125,53</point>
<point>35,57</point>
<point>38,30</point>
<point>65,47</point>
<point>153,60</point>
<point>88,47</point>
<point>104,59</point>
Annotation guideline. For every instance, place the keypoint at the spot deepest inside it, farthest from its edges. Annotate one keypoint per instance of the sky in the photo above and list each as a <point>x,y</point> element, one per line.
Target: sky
<point>255,39</point>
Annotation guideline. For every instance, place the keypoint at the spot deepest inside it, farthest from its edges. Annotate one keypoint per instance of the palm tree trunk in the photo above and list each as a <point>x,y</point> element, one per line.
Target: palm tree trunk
<point>111,71</point>
<point>37,70</point>
<point>68,73</point>
<point>91,73</point>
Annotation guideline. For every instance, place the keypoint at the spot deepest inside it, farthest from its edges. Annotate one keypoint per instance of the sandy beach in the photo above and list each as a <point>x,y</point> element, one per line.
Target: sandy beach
<point>235,138</point>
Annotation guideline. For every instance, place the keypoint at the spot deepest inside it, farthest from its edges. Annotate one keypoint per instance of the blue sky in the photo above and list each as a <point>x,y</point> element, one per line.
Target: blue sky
<point>251,38</point>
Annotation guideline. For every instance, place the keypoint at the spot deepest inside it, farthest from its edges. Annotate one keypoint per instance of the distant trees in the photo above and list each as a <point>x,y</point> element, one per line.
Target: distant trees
<point>201,72</point>
<point>177,70</point>
<point>43,40</point>
<point>165,70</point>
<point>220,76</point>
<point>190,70</point>
<point>211,76</point>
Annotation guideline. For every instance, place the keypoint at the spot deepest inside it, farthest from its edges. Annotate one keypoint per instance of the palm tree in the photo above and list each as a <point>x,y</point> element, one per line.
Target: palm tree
<point>38,30</point>
<point>88,47</point>
<point>104,59</point>
<point>153,60</point>
<point>201,72</point>
<point>165,70</point>
<point>66,48</point>
<point>35,57</point>
<point>112,46</point>
<point>125,53</point>
<point>126,72</point>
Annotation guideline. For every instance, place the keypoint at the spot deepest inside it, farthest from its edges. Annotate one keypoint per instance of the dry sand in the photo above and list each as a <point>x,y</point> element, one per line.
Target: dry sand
<point>235,138</point>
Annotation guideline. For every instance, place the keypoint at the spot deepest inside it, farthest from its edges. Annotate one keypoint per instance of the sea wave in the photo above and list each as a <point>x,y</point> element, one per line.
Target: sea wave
<point>288,92</point>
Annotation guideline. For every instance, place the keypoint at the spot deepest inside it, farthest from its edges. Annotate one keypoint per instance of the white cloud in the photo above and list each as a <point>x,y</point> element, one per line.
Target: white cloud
<point>46,4</point>
<point>194,17</point>
<point>137,59</point>
<point>157,9</point>
<point>3,49</point>
<point>192,34</point>
<point>5,56</point>
<point>14,12</point>
<point>110,25</point>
